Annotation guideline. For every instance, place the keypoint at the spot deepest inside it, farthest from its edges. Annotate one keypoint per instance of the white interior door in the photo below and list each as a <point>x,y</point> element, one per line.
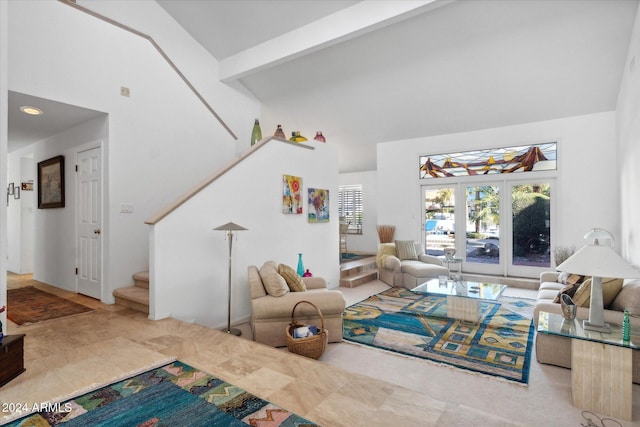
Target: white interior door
<point>89,178</point>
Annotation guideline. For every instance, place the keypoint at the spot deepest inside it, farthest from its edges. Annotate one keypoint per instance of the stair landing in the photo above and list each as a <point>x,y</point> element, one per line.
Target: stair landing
<point>357,272</point>
<point>135,297</point>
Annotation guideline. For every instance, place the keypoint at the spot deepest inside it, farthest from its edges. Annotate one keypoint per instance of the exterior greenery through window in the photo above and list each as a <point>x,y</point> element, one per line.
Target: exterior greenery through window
<point>350,207</point>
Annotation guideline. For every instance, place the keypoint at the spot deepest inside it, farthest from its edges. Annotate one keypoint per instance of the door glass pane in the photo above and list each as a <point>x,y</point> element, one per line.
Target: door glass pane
<point>439,223</point>
<point>483,221</point>
<point>531,225</point>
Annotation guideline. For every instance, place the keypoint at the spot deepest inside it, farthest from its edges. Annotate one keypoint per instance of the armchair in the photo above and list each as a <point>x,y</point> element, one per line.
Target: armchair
<point>270,314</point>
<point>407,269</point>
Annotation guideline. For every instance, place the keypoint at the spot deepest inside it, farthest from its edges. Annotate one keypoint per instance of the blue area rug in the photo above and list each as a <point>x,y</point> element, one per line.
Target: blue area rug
<point>416,324</point>
<point>174,395</point>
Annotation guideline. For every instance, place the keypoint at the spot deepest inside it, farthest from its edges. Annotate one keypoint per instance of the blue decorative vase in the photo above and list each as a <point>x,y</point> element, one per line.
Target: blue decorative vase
<point>300,266</point>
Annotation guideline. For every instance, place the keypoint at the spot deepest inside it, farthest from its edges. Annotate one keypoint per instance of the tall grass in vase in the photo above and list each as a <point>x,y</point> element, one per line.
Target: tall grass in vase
<point>385,233</point>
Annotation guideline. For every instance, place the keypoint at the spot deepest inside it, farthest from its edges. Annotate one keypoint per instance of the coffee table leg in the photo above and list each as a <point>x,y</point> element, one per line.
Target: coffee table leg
<point>462,308</point>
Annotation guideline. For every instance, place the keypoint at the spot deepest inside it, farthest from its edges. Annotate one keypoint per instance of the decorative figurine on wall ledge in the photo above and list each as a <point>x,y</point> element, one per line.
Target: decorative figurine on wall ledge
<point>296,137</point>
<point>256,133</point>
<point>279,133</point>
<point>319,137</point>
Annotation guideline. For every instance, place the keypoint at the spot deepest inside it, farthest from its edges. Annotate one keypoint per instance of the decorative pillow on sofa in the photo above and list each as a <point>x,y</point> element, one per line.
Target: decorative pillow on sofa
<point>385,250</point>
<point>610,289</point>
<point>562,277</point>
<point>274,283</point>
<point>295,282</point>
<point>572,279</point>
<point>406,249</point>
<point>628,297</point>
<point>569,290</point>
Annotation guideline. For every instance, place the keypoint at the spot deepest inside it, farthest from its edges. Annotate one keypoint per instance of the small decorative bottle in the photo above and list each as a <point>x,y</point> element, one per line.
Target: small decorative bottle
<point>320,137</point>
<point>626,327</point>
<point>256,133</point>
<point>307,274</point>
<point>300,270</point>
<point>279,133</point>
<point>296,137</point>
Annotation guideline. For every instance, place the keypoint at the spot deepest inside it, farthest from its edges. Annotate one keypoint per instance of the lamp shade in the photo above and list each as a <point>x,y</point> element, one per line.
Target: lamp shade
<point>598,260</point>
<point>230,226</point>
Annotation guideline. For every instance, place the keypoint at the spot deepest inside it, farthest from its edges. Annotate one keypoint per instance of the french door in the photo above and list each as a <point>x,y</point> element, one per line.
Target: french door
<point>496,227</point>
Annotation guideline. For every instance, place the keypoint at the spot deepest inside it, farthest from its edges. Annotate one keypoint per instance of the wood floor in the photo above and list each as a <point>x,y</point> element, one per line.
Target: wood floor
<point>65,356</point>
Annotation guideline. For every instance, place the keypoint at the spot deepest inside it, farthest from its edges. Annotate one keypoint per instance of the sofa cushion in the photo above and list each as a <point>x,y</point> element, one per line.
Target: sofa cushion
<point>406,249</point>
<point>610,289</point>
<point>628,297</point>
<point>274,283</point>
<point>295,282</point>
<point>572,279</point>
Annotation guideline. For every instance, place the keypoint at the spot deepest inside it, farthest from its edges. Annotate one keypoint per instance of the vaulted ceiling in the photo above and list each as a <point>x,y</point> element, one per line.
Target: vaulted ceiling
<point>365,72</point>
<point>376,71</point>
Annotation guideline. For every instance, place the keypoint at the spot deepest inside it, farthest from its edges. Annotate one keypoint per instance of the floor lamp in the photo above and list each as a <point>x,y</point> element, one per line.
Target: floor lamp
<point>598,259</point>
<point>230,227</point>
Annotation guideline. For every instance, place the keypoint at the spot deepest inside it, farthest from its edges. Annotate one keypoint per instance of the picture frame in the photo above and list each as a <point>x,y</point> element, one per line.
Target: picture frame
<point>318,200</point>
<point>16,193</point>
<point>11,188</point>
<point>27,186</point>
<point>51,183</point>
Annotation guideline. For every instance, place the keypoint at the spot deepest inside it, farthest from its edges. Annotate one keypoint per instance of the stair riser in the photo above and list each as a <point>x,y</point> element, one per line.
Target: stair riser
<point>357,281</point>
<point>132,305</point>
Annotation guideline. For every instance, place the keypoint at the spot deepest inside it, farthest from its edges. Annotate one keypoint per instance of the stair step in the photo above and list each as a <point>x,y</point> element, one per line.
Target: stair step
<point>357,279</point>
<point>141,279</point>
<point>134,297</point>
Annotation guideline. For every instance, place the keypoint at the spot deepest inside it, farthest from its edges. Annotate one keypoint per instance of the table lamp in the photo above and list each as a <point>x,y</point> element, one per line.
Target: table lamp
<point>230,227</point>
<point>598,259</point>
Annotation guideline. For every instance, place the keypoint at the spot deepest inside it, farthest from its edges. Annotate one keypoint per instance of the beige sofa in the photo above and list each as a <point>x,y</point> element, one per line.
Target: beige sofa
<point>409,273</point>
<point>271,315</point>
<point>556,350</point>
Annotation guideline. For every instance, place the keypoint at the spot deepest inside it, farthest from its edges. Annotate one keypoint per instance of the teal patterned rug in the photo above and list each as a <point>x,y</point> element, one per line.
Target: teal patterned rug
<point>416,324</point>
<point>174,395</point>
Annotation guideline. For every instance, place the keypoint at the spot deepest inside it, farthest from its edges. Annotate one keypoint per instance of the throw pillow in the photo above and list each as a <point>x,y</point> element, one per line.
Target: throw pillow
<point>569,290</point>
<point>274,283</point>
<point>610,289</point>
<point>295,282</point>
<point>384,250</point>
<point>573,279</point>
<point>562,277</point>
<point>628,297</point>
<point>406,249</point>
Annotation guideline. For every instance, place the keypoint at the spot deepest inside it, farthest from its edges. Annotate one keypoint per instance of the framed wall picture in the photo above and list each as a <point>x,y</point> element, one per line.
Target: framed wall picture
<point>27,186</point>
<point>51,183</point>
<point>16,193</point>
<point>11,188</point>
<point>291,194</point>
<point>318,205</point>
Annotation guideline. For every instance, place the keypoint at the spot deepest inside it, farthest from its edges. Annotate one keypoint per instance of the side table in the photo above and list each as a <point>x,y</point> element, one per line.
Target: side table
<point>601,365</point>
<point>453,260</point>
<point>11,357</point>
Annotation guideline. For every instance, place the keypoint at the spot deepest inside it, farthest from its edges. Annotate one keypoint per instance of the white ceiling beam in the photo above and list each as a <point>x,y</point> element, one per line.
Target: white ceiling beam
<point>353,21</point>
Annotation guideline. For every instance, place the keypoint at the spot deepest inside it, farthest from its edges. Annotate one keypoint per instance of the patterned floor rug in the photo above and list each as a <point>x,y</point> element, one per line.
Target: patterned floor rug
<point>174,395</point>
<point>415,324</point>
<point>31,305</point>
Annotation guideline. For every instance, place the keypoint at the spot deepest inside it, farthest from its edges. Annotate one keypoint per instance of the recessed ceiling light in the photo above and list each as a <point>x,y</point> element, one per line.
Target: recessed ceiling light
<point>34,111</point>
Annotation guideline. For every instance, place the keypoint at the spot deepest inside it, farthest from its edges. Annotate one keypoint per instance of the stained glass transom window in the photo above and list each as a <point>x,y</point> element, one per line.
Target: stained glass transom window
<point>524,158</point>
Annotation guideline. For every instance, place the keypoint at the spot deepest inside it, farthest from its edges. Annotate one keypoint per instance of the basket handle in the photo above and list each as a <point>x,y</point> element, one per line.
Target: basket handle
<point>293,319</point>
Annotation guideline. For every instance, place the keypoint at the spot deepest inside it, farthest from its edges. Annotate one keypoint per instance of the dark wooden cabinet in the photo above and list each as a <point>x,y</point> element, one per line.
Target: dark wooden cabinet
<point>11,357</point>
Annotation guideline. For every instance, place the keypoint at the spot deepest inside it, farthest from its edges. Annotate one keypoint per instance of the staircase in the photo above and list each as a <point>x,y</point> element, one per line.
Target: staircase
<point>135,297</point>
<point>355,273</point>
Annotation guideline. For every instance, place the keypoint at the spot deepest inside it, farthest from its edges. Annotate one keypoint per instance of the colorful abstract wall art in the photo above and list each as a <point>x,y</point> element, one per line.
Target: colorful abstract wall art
<point>524,158</point>
<point>318,205</point>
<point>291,194</point>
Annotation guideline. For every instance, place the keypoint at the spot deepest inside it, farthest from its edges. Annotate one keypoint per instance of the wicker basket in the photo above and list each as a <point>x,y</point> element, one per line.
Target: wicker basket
<point>312,347</point>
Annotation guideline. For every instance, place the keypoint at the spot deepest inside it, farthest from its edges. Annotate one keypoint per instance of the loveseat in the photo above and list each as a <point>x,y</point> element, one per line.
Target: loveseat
<point>272,301</point>
<point>556,350</point>
<point>399,265</point>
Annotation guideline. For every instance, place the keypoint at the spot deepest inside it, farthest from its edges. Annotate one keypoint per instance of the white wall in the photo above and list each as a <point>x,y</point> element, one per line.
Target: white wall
<point>189,261</point>
<point>162,140</point>
<point>368,240</point>
<point>586,189</point>
<point>628,129</point>
<point>20,213</point>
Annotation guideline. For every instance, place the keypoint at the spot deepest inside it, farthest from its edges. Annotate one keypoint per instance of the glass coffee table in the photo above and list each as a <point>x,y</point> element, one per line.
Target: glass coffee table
<point>463,298</point>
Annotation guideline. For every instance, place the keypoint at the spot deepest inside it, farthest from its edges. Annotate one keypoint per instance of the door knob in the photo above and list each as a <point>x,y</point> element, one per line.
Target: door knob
<point>96,231</point>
